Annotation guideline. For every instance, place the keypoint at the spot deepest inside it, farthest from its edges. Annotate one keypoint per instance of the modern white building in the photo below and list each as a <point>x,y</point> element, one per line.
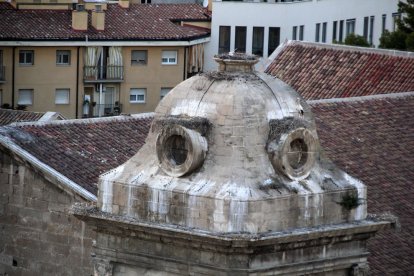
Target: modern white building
<point>259,26</point>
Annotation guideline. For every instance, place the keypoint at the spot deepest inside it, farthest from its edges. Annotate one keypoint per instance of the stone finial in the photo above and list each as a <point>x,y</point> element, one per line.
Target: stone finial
<point>236,62</point>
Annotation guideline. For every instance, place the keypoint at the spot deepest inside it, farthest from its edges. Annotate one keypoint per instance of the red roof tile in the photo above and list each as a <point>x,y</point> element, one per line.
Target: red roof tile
<point>320,71</point>
<point>8,116</point>
<point>373,140</point>
<point>82,149</point>
<point>139,22</point>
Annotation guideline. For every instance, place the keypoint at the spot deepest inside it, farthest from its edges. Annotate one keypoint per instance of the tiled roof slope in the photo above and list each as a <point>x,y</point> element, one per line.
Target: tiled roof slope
<point>374,141</point>
<point>8,116</point>
<point>82,149</point>
<point>138,22</point>
<point>320,71</point>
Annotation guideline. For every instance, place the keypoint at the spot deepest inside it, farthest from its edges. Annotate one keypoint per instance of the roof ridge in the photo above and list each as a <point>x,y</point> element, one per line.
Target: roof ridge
<point>363,98</point>
<point>388,52</point>
<point>87,120</point>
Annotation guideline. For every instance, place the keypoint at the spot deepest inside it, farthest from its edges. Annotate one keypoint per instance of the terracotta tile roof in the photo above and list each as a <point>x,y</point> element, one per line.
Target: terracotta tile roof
<point>8,116</point>
<point>82,149</point>
<point>374,141</point>
<point>321,71</point>
<point>139,22</point>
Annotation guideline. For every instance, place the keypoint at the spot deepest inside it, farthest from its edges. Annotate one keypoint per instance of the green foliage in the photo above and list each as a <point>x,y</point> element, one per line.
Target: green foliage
<point>403,37</point>
<point>356,40</point>
<point>409,42</point>
<point>350,200</point>
<point>393,40</point>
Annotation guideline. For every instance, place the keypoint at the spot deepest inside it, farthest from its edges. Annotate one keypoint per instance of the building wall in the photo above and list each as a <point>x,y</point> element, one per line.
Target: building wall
<point>288,14</point>
<point>44,77</point>
<point>37,235</point>
<point>6,86</point>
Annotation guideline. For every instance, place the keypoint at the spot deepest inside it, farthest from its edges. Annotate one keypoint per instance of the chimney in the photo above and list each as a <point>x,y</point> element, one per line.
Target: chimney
<point>123,3</point>
<point>210,5</point>
<point>98,18</point>
<point>80,18</point>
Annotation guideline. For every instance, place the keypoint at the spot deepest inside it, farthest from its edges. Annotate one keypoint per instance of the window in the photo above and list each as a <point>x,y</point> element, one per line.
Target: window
<point>274,39</point>
<point>334,31</point>
<point>324,27</point>
<point>350,26</point>
<point>25,97</point>
<point>240,39</point>
<point>301,32</point>
<point>164,92</point>
<point>62,96</point>
<point>395,18</point>
<point>366,22</point>
<point>139,57</point>
<point>224,39</point>
<point>169,57</point>
<point>341,31</point>
<point>258,37</point>
<point>384,22</point>
<point>317,31</point>
<point>371,30</point>
<point>295,32</point>
<point>137,95</point>
<point>26,57</point>
<point>62,57</point>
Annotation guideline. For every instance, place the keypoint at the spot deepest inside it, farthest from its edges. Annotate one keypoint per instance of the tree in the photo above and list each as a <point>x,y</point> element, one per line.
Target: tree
<point>406,22</point>
<point>356,40</point>
<point>393,40</point>
<point>403,37</point>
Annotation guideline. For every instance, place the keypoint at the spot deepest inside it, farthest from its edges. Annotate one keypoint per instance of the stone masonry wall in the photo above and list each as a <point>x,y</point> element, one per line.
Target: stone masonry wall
<point>37,234</point>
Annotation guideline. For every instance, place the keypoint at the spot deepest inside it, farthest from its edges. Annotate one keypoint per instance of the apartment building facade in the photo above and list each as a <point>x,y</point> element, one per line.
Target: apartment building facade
<point>93,60</point>
<point>258,26</point>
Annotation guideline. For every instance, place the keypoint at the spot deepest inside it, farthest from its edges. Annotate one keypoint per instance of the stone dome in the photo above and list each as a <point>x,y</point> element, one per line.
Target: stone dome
<point>229,151</point>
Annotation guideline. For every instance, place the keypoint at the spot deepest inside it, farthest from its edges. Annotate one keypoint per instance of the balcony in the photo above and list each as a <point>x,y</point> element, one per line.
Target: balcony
<point>110,73</point>
<point>101,110</point>
<point>2,73</point>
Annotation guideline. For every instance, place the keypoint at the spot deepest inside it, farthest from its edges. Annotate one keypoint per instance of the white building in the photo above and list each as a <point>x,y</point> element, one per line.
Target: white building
<point>259,26</point>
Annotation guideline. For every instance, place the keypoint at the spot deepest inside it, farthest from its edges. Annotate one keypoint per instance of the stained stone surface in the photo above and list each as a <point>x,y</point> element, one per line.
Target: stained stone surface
<point>249,179</point>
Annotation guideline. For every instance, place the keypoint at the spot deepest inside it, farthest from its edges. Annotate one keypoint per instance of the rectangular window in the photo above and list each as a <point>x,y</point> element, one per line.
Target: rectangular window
<point>384,22</point>
<point>324,27</point>
<point>62,96</point>
<point>62,57</point>
<point>341,31</point>
<point>139,57</point>
<point>371,30</point>
<point>224,39</point>
<point>395,18</point>
<point>350,26</point>
<point>274,39</point>
<point>25,97</point>
<point>301,32</point>
<point>164,92</point>
<point>240,39</point>
<point>366,23</point>
<point>137,95</point>
<point>334,31</point>
<point>258,38</point>
<point>295,33</point>
<point>26,57</point>
<point>317,31</point>
<point>169,57</point>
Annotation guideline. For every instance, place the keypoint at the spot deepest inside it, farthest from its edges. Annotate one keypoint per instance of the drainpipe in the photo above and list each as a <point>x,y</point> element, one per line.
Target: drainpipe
<point>185,62</point>
<point>77,84</point>
<point>13,75</point>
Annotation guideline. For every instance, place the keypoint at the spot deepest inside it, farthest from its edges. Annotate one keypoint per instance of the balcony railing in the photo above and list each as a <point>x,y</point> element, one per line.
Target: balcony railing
<point>2,73</point>
<point>101,110</point>
<point>103,73</point>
